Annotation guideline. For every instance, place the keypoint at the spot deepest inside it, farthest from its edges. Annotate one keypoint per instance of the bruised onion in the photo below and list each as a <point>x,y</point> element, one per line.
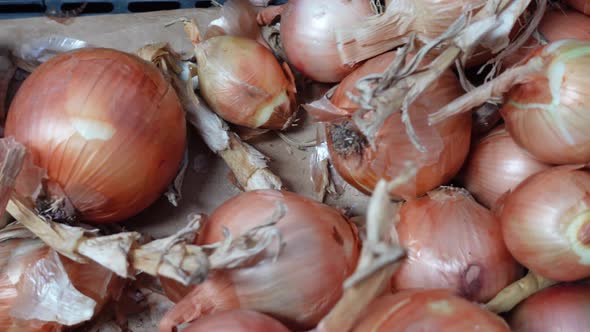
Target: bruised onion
<point>243,82</point>
<point>320,251</point>
<point>546,223</point>
<point>236,321</point>
<point>42,291</point>
<point>496,165</point>
<point>453,242</point>
<point>447,143</point>
<point>427,310</point>
<point>107,127</point>
<point>581,5</point>
<point>561,308</point>
<point>308,35</point>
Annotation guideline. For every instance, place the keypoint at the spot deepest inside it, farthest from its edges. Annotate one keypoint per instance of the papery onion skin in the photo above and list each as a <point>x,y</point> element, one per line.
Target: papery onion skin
<point>455,243</point>
<point>548,114</point>
<point>427,310</point>
<point>496,165</point>
<point>107,127</point>
<point>244,83</point>
<point>320,252</point>
<point>307,35</point>
<point>236,321</point>
<point>561,308</point>
<point>581,5</point>
<point>447,143</point>
<point>546,223</point>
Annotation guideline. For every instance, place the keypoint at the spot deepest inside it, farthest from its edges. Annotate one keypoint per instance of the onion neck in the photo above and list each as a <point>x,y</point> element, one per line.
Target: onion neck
<point>578,235</point>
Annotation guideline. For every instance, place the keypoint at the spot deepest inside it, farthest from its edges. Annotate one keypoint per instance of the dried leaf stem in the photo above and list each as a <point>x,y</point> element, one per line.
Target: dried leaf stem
<point>518,291</point>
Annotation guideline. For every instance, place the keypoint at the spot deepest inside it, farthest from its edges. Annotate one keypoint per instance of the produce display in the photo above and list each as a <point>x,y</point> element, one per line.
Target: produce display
<point>458,131</point>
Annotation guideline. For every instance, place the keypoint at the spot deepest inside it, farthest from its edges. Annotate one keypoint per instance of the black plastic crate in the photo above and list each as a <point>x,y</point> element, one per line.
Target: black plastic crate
<point>31,8</point>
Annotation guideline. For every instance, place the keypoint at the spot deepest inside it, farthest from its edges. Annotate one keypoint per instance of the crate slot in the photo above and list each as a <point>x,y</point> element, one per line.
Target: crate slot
<point>15,8</point>
<point>149,6</point>
<point>90,8</point>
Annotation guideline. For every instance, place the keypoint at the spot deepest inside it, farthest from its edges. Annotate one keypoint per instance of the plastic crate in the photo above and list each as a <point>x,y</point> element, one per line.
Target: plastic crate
<point>31,8</point>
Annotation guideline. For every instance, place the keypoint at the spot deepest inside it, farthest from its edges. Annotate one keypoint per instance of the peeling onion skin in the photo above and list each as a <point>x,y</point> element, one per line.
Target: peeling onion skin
<point>581,5</point>
<point>107,127</point>
<point>447,142</point>
<point>236,321</point>
<point>561,308</point>
<point>552,125</point>
<point>454,243</point>
<point>321,250</point>
<point>496,165</point>
<point>546,223</point>
<point>244,83</point>
<point>428,310</point>
<point>308,35</point>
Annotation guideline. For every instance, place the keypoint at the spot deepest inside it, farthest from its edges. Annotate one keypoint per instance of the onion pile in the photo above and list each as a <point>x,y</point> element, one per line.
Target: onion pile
<point>320,252</point>
<point>447,143</point>
<point>497,165</point>
<point>107,127</point>
<point>559,308</point>
<point>308,35</point>
<point>454,243</point>
<point>428,310</point>
<point>546,223</point>
<point>236,321</point>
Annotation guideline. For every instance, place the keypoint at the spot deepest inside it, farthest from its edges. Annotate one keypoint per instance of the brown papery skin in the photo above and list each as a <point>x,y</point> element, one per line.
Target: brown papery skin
<point>236,321</point>
<point>106,126</point>
<point>19,255</point>
<point>321,250</point>
<point>427,310</point>
<point>244,83</point>
<point>556,24</point>
<point>308,35</point>
<point>561,308</point>
<point>496,165</point>
<point>545,223</point>
<point>552,125</point>
<point>447,143</point>
<point>454,243</point>
<point>581,5</point>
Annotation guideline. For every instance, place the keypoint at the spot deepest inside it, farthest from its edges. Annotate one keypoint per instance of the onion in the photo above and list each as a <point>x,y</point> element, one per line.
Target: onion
<point>236,321</point>
<point>243,82</point>
<point>41,291</point>
<point>107,127</point>
<point>555,25</point>
<point>320,252</point>
<point>428,310</point>
<point>307,34</point>
<point>559,308</point>
<point>447,144</point>
<point>546,223</point>
<point>581,5</point>
<point>496,165</point>
<point>455,243</point>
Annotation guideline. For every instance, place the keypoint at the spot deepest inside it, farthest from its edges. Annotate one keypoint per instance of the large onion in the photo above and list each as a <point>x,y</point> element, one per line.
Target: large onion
<point>496,165</point>
<point>307,34</point>
<point>320,252</point>
<point>428,310</point>
<point>561,308</point>
<point>455,243</point>
<point>546,223</point>
<point>447,143</point>
<point>236,321</point>
<point>106,126</point>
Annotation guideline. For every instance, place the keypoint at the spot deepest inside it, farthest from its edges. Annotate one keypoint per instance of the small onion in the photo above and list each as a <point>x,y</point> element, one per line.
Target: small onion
<point>581,5</point>
<point>496,165</point>
<point>428,310</point>
<point>454,243</point>
<point>547,114</point>
<point>107,127</point>
<point>307,34</point>
<point>320,252</point>
<point>546,223</point>
<point>561,308</point>
<point>243,82</point>
<point>447,143</point>
<point>236,321</point>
